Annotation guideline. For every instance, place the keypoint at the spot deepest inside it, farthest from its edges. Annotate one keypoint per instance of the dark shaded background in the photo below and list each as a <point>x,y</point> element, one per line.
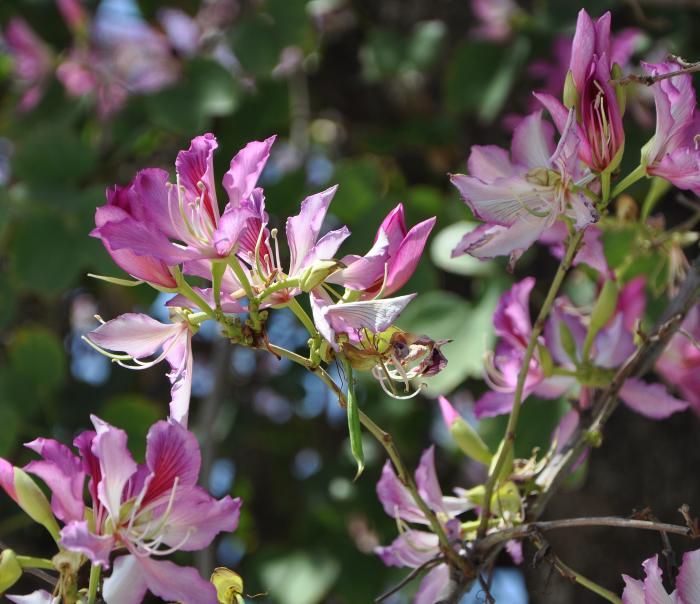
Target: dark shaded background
<point>388,98</point>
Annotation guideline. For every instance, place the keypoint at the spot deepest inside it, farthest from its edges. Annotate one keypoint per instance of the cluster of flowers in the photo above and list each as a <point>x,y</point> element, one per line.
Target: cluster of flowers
<point>547,193</point>
<point>116,53</point>
<point>141,512</point>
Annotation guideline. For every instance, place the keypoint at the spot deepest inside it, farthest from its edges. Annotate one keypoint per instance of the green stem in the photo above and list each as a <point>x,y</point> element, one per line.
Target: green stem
<point>639,172</point>
<point>385,439</point>
<point>509,437</point>
<point>186,290</point>
<point>303,317</point>
<point>577,577</point>
<point>605,187</point>
<point>242,278</point>
<point>277,286</point>
<point>31,562</point>
<point>95,571</point>
<point>658,188</point>
<point>218,267</point>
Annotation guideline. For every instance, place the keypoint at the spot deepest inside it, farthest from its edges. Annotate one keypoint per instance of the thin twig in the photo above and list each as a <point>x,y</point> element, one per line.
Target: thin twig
<point>525,530</point>
<point>409,577</point>
<point>650,80</point>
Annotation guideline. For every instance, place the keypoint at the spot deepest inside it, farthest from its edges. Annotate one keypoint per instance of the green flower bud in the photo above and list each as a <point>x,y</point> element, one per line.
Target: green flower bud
<point>317,273</point>
<point>507,468</point>
<point>567,341</point>
<point>469,441</point>
<point>602,311</point>
<point>620,93</point>
<point>10,570</point>
<point>571,97</point>
<point>33,501</point>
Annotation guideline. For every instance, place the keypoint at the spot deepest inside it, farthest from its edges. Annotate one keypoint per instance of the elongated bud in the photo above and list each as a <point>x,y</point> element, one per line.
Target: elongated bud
<point>571,96</point>
<point>545,361</point>
<point>10,570</point>
<point>467,439</point>
<point>317,273</point>
<point>620,92</point>
<point>605,306</point>
<point>602,311</point>
<point>507,468</point>
<point>228,584</point>
<point>567,341</point>
<point>33,501</point>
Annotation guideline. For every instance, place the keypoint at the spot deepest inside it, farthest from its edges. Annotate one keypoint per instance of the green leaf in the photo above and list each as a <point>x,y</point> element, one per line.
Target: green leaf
<point>134,414</point>
<point>426,43</point>
<point>360,189</point>
<point>300,577</point>
<point>443,244</point>
<point>35,369</point>
<point>53,155</point>
<point>470,73</point>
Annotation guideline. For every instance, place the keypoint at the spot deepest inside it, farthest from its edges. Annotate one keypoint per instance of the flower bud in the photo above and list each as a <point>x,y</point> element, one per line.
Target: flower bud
<point>228,584</point>
<point>10,570</point>
<point>567,341</point>
<point>620,93</point>
<point>602,311</point>
<point>507,468</point>
<point>571,96</point>
<point>33,501</point>
<point>467,439</point>
<point>317,273</point>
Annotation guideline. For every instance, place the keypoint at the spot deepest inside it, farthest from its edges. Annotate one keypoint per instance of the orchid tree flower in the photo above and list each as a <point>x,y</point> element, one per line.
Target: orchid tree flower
<point>183,221</point>
<point>496,18</point>
<point>32,61</point>
<point>140,512</point>
<point>520,196</point>
<point>414,547</point>
<point>610,348</point>
<point>40,596</point>
<point>600,115</point>
<point>673,152</point>
<point>138,336</point>
<point>679,364</point>
<point>651,590</point>
<point>512,324</point>
<point>392,260</point>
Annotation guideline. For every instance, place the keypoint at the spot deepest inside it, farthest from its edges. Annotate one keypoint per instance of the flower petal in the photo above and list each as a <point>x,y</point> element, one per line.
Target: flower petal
<point>651,400</point>
<point>427,481</point>
<point>396,499</point>
<point>134,333</point>
<point>374,315</point>
<point>63,473</point>
<point>76,537</point>
<point>126,584</point>
<point>434,586</point>
<point>195,166</point>
<point>7,478</point>
<point>196,518</point>
<point>40,596</point>
<point>175,583</point>
<point>654,591</point>
<point>404,263</point>
<point>303,229</point>
<point>181,362</point>
<point>116,464</point>
<point>634,591</point>
<point>533,142</point>
<point>411,548</point>
<point>488,162</point>
<point>582,49</point>
<point>245,169</point>
<point>688,580</point>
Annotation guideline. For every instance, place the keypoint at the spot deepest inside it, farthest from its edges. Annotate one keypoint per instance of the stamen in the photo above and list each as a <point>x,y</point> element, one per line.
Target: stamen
<point>273,234</point>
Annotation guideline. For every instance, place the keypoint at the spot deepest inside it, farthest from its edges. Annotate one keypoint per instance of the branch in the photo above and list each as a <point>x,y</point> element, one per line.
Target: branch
<point>686,68</point>
<point>524,531</point>
<point>509,438</point>
<point>640,363</point>
<point>409,577</point>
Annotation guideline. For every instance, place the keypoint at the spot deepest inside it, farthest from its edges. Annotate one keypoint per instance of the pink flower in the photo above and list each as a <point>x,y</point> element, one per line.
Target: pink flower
<point>679,364</point>
<point>413,547</point>
<point>520,196</point>
<point>600,127</point>
<point>141,512</point>
<point>392,260</point>
<point>673,151</point>
<point>513,326</point>
<point>496,17</point>
<point>125,56</point>
<point>652,590</point>
<point>32,61</point>
<point>146,511</point>
<point>139,336</point>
